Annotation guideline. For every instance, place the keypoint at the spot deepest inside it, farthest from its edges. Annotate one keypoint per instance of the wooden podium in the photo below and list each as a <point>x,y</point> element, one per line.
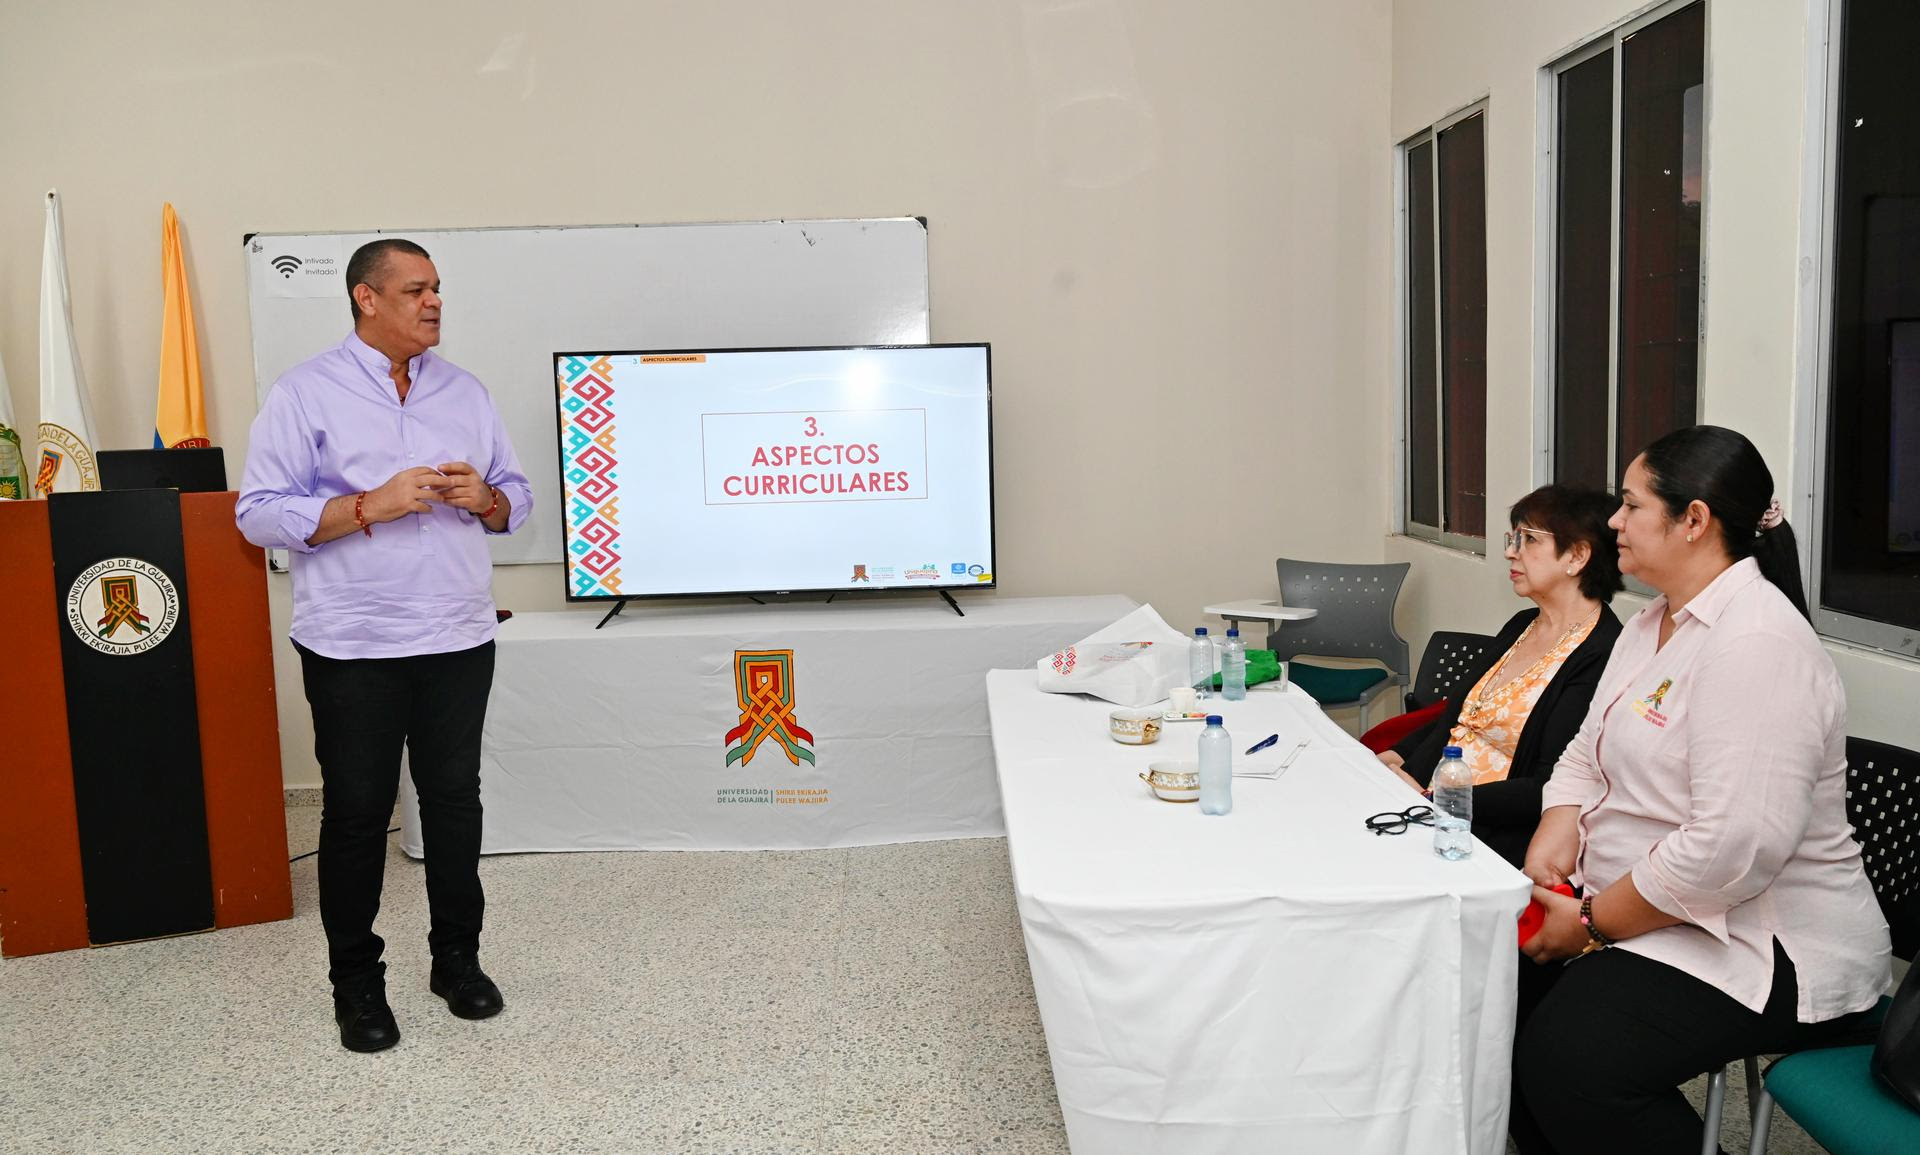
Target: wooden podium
<point>140,790</point>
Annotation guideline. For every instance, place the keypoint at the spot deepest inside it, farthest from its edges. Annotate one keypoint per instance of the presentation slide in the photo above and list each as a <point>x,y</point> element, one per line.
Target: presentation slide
<point>776,470</point>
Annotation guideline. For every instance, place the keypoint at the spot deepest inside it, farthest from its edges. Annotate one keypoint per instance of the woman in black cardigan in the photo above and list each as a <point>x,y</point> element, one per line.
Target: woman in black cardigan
<point>1561,555</point>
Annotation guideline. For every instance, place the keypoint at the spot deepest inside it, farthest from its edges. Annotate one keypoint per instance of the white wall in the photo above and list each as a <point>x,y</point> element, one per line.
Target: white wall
<point>1448,53</point>
<point>1169,219</point>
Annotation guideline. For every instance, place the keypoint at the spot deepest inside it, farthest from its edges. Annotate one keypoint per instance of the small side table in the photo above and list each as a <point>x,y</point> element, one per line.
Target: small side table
<point>1255,610</point>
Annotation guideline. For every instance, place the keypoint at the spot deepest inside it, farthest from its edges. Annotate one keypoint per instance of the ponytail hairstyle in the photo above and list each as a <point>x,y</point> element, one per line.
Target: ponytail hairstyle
<point>1719,467</point>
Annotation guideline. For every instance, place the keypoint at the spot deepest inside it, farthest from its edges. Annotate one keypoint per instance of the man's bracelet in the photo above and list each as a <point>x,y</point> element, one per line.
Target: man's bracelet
<point>359,514</point>
<point>495,507</point>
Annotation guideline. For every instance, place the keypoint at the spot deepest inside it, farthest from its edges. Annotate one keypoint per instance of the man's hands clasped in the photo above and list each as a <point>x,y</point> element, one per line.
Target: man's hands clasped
<point>419,489</point>
<point>466,489</point>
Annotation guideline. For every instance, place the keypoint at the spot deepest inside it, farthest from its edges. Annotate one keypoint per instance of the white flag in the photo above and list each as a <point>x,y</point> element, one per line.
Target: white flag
<point>14,481</point>
<point>64,462</point>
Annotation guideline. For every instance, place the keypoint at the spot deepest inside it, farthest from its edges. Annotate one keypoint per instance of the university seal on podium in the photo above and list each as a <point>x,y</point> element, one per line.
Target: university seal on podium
<point>122,606</point>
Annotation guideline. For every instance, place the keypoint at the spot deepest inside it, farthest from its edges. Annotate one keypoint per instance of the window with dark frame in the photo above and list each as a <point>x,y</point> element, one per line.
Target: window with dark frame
<point>1423,344</point>
<point>1626,284</point>
<point>1868,565</point>
<point>1446,308</point>
<point>1583,272</point>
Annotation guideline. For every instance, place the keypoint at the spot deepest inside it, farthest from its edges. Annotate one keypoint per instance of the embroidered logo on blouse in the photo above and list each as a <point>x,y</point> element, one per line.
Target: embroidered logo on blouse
<point>1649,706</point>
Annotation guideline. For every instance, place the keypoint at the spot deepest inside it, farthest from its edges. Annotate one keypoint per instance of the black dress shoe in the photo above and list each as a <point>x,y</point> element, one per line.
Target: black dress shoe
<point>467,989</point>
<point>366,1022</point>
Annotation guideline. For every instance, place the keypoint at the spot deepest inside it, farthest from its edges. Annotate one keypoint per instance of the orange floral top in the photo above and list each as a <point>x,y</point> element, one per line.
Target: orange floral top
<point>1496,709</point>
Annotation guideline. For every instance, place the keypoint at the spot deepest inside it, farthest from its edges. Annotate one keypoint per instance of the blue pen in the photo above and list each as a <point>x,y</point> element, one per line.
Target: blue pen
<point>1263,743</point>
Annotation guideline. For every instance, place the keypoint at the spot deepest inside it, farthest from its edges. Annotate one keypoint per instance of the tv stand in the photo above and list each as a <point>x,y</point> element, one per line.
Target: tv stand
<point>954,604</point>
<point>613,613</point>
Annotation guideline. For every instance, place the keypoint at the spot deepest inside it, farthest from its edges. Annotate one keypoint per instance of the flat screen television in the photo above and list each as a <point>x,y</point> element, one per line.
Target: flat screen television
<point>712,472</point>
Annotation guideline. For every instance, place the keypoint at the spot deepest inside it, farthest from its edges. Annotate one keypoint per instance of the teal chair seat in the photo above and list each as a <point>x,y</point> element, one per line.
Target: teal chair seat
<point>1832,1092</point>
<point>1333,686</point>
<point>1834,1096</point>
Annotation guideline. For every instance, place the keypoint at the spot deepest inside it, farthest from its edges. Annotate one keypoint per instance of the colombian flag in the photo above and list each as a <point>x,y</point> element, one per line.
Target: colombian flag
<point>180,420</point>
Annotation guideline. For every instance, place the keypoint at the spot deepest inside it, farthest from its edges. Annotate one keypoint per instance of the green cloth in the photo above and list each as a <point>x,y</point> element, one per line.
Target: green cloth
<point>1833,1095</point>
<point>1334,685</point>
<point>1262,666</point>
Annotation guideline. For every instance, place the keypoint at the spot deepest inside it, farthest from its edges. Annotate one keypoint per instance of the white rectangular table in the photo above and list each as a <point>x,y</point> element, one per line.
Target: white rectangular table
<point>1276,979</point>
<point>617,739</point>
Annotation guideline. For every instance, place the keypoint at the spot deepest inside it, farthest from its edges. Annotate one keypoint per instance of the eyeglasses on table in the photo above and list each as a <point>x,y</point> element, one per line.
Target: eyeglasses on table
<point>1397,821</point>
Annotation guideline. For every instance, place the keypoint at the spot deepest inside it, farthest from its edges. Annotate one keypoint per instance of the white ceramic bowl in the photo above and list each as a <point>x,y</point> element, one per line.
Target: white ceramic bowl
<point>1173,781</point>
<point>1134,727</point>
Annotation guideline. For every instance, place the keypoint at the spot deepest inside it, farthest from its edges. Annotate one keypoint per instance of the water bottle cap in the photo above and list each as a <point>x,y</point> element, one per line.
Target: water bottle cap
<point>1450,752</point>
<point>1215,720</point>
<point>1233,633</point>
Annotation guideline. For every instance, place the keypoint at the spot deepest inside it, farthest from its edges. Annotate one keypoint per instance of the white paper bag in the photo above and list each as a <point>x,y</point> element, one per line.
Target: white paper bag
<point>1133,662</point>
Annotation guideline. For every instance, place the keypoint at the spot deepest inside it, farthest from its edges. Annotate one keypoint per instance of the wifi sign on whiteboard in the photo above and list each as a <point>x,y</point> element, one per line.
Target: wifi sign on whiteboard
<point>307,267</point>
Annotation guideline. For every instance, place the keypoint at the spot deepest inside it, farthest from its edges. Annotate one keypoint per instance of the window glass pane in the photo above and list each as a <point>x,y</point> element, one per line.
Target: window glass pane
<point>1463,324</point>
<point>1583,247</point>
<point>1870,566</point>
<point>1423,422</point>
<point>1662,85</point>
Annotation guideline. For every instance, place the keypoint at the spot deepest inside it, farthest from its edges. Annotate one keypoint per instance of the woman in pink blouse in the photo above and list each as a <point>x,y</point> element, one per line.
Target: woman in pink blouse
<point>1701,811</point>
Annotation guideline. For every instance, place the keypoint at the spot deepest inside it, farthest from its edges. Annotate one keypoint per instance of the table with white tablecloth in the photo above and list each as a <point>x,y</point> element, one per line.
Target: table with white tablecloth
<point>753,727</point>
<point>1275,979</point>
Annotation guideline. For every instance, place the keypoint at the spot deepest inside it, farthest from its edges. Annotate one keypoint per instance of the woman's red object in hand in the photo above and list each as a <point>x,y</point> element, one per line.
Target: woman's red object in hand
<point>1535,916</point>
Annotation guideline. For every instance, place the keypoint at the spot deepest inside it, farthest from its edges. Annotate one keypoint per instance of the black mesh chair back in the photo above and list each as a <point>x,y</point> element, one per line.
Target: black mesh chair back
<point>1883,803</point>
<point>1452,657</point>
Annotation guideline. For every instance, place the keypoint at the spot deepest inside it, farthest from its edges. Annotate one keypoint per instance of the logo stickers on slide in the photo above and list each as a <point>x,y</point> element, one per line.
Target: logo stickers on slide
<point>122,606</point>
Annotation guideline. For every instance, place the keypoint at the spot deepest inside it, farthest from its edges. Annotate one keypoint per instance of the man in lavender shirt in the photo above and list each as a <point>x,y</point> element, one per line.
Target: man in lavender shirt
<point>383,468</point>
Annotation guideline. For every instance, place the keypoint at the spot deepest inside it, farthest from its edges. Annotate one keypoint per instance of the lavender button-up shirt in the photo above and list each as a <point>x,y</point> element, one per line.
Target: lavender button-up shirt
<point>333,425</point>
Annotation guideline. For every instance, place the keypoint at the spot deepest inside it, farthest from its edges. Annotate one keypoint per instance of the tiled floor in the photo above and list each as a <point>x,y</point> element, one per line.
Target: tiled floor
<point>870,1000</point>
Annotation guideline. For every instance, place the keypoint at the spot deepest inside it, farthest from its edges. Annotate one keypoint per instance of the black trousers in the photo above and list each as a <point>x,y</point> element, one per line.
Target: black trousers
<point>364,711</point>
<point>1598,1063</point>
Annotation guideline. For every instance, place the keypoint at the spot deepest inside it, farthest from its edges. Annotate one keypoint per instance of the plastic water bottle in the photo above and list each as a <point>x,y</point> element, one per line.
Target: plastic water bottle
<point>1452,805</point>
<point>1233,668</point>
<point>1200,662</point>
<point>1216,768</point>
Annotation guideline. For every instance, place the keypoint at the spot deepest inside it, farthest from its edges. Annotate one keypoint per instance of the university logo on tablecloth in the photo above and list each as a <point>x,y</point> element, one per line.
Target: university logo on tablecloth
<point>763,686</point>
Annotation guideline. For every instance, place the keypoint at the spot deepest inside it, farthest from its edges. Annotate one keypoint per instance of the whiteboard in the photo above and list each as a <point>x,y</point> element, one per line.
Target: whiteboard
<point>515,296</point>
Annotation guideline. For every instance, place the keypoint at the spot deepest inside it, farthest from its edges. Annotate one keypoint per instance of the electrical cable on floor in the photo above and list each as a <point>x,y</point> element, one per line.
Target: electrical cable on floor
<point>311,853</point>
